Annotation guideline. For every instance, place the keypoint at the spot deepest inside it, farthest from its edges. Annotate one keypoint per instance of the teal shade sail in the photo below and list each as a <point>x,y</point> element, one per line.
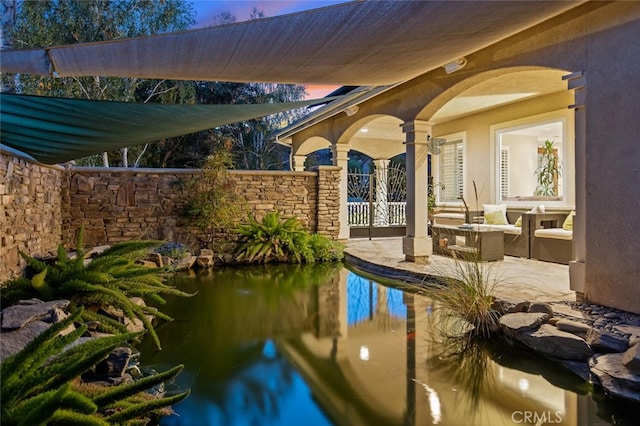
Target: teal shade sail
<point>55,130</point>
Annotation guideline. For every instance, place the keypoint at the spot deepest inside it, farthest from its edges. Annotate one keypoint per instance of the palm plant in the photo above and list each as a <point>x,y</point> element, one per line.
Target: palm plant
<point>110,278</point>
<point>548,170</point>
<point>39,383</point>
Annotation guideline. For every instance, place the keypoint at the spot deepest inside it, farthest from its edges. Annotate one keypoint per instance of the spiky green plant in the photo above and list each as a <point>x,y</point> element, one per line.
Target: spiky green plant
<point>465,294</point>
<point>38,382</point>
<point>274,238</point>
<point>110,278</point>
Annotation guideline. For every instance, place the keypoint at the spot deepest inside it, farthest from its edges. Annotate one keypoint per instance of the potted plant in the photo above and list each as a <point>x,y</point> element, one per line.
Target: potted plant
<point>548,170</point>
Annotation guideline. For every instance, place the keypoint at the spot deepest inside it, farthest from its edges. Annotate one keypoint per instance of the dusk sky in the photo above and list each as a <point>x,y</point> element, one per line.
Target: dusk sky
<point>207,10</point>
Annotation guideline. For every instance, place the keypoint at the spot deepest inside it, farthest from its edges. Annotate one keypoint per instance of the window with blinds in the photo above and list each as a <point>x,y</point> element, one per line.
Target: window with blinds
<point>451,171</point>
<point>504,173</point>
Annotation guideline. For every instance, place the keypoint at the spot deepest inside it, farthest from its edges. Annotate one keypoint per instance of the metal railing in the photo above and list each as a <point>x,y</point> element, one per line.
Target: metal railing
<point>360,213</point>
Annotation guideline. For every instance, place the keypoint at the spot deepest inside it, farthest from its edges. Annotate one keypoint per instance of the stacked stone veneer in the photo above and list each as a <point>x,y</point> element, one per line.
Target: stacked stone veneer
<point>31,211</point>
<point>44,206</point>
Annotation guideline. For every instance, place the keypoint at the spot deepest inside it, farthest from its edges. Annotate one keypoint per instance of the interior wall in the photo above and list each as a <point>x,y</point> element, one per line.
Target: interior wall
<point>480,144</point>
<point>520,146</point>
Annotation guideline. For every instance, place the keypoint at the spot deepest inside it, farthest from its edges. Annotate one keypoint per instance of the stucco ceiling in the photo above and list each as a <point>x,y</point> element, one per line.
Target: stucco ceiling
<point>379,138</point>
<point>501,90</point>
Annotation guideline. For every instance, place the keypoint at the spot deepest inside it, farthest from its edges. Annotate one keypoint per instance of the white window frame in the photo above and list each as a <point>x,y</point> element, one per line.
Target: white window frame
<point>567,155</point>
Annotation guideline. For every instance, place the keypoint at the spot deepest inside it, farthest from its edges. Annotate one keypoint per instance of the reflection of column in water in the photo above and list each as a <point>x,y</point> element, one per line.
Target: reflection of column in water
<point>382,302</point>
<point>327,321</point>
<point>410,412</point>
<point>340,343</point>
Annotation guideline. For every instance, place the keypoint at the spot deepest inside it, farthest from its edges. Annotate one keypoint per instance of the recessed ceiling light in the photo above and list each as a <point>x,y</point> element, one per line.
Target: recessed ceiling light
<point>365,130</point>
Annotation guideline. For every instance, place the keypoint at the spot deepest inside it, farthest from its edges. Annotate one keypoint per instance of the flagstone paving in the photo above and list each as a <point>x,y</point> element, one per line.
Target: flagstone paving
<point>517,278</point>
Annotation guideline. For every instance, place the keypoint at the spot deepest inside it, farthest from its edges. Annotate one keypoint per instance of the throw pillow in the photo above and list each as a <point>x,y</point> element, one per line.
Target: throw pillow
<point>567,225</point>
<point>518,222</point>
<point>537,209</point>
<point>496,218</point>
<point>498,213</point>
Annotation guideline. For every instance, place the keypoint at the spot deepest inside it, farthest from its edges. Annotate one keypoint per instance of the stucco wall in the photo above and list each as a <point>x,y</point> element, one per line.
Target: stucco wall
<point>45,206</point>
<point>612,178</point>
<point>31,211</point>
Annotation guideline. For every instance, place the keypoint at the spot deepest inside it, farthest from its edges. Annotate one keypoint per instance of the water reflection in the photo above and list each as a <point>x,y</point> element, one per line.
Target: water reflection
<point>318,345</point>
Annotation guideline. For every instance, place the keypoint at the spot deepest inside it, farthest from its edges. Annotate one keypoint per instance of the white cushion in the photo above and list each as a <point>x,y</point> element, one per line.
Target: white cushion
<point>557,233</point>
<point>449,215</point>
<point>508,229</point>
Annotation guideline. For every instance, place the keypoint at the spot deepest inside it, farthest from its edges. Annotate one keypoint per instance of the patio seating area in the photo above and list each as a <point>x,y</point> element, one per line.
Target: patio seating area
<point>542,236</point>
<point>520,278</point>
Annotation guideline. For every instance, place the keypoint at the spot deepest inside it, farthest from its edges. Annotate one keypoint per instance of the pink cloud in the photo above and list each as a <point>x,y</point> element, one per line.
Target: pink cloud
<point>317,91</point>
<point>207,10</point>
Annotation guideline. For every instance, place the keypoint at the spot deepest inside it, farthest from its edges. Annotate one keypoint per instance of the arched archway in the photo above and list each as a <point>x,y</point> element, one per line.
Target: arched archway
<point>473,164</point>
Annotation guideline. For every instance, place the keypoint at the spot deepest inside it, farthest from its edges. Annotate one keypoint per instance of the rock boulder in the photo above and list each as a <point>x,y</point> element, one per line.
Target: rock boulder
<point>614,377</point>
<point>554,343</point>
<point>602,341</point>
<point>522,321</point>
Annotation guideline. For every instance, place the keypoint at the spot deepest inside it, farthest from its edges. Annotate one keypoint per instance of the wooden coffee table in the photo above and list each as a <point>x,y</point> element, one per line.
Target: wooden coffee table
<point>480,244</point>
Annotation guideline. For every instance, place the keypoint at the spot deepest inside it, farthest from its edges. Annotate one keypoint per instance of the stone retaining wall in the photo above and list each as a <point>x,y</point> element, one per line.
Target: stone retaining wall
<point>31,211</point>
<point>122,204</point>
<point>43,206</point>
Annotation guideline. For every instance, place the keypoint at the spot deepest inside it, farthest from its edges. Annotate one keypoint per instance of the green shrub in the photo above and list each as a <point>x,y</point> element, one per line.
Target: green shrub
<point>213,203</point>
<point>283,240</point>
<point>326,249</point>
<point>110,278</point>
<point>39,386</point>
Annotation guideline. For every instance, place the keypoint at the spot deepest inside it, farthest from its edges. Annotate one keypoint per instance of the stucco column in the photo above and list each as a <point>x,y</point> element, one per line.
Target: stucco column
<point>577,82</point>
<point>298,162</point>
<point>415,245</point>
<point>341,159</point>
<point>381,168</point>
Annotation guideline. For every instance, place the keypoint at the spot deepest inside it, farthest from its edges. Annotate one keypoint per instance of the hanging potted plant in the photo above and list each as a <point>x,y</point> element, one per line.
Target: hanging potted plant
<point>548,170</point>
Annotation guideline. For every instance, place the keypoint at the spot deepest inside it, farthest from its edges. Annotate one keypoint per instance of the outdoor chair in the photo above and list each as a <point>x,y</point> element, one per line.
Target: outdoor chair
<point>549,239</point>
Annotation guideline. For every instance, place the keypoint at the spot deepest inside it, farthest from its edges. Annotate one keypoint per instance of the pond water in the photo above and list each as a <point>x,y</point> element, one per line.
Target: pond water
<point>322,345</point>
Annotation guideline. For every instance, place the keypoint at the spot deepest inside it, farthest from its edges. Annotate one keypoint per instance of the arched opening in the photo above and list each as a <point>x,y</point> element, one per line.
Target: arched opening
<point>494,136</point>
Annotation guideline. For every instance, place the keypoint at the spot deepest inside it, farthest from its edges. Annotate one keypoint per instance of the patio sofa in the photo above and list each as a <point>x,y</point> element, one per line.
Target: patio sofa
<point>551,237</point>
<point>516,230</point>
